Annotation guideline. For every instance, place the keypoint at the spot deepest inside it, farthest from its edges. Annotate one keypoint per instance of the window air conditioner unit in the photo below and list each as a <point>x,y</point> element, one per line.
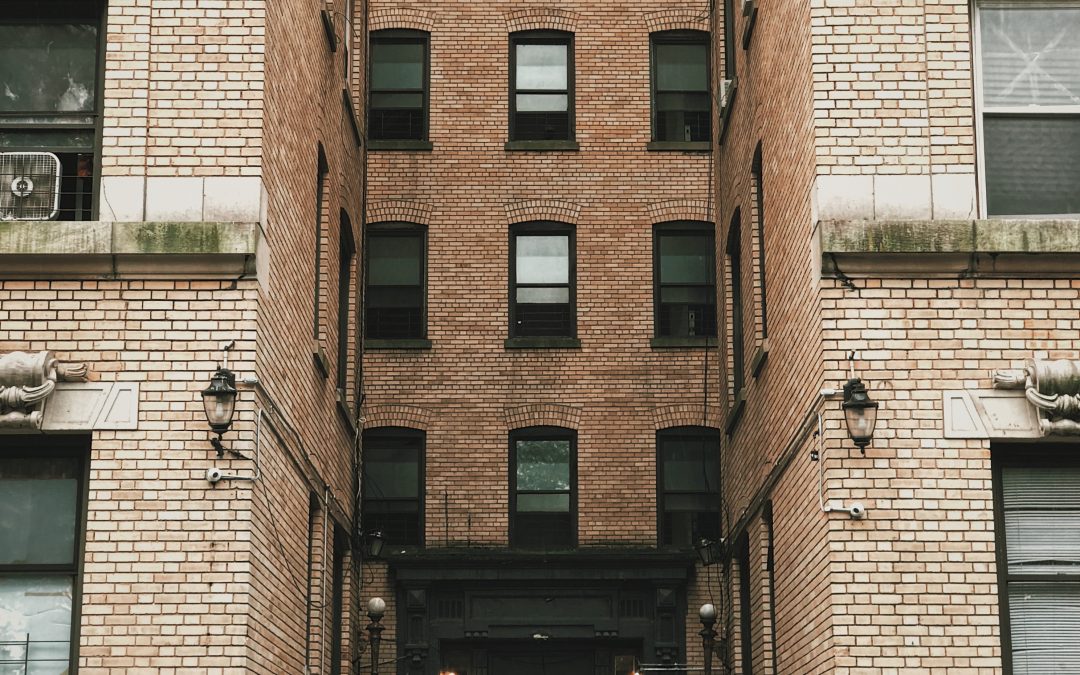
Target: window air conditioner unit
<point>726,89</point>
<point>747,7</point>
<point>29,185</point>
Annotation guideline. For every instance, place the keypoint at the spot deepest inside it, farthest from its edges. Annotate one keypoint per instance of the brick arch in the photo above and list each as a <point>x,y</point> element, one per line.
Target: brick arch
<point>407,416</point>
<point>677,18</point>
<point>401,17</point>
<point>542,414</point>
<point>541,18</point>
<point>686,415</point>
<point>542,209</point>
<point>680,209</point>
<point>400,210</point>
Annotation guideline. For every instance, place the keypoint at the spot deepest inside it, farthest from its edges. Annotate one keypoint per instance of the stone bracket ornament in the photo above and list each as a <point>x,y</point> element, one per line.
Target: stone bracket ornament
<point>1053,388</point>
<point>28,381</point>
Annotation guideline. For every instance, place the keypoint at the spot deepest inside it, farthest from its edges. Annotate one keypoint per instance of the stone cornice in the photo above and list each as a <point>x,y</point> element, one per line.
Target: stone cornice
<point>70,249</point>
<point>950,248</point>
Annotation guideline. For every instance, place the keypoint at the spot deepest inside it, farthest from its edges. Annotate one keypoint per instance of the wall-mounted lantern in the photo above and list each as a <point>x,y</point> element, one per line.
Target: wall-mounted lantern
<point>219,401</point>
<point>860,413</point>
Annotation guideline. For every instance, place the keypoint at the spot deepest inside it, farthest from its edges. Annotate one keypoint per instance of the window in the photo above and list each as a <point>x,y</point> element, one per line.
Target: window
<point>734,258</point>
<point>346,263</point>
<point>49,57</point>
<point>688,463</point>
<point>1030,77</point>
<point>337,599</point>
<point>758,189</point>
<point>541,86</point>
<point>746,634</point>
<point>322,181</point>
<point>542,281</point>
<point>398,107</point>
<point>41,498</point>
<point>395,282</point>
<point>680,75</point>
<point>393,484</point>
<point>1038,530</point>
<point>684,279</point>
<point>543,494</point>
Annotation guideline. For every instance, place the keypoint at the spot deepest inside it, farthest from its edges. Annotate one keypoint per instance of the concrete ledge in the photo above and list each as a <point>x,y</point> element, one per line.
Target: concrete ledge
<point>1013,247</point>
<point>58,249</point>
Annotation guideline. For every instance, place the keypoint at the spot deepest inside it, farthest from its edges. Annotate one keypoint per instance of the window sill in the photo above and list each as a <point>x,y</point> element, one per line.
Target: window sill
<point>679,146</point>
<point>761,354</point>
<point>403,343</point>
<point>735,413</point>
<point>322,361</point>
<point>400,145</point>
<point>676,342</point>
<point>343,410</point>
<point>541,145</point>
<point>542,343</point>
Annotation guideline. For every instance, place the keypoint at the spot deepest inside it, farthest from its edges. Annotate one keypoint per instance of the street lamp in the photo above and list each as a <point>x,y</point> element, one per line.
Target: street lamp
<point>219,402</point>
<point>707,614</point>
<point>708,551</point>
<point>373,544</point>
<point>376,608</point>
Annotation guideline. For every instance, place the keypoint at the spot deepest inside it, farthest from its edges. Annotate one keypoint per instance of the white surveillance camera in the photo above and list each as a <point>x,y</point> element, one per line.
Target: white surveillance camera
<point>214,474</point>
<point>857,510</point>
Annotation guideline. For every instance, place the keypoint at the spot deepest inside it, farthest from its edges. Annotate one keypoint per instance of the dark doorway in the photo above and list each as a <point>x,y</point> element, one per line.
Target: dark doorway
<point>539,657</point>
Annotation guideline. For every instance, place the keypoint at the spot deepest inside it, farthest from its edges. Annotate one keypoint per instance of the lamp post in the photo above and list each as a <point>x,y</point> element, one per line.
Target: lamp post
<point>376,607</point>
<point>707,614</point>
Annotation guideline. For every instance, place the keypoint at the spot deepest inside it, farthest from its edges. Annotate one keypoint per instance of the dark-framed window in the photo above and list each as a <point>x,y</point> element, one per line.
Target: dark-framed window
<point>42,520</point>
<point>1037,514</point>
<point>542,86</point>
<point>322,185</point>
<point>688,482</point>
<point>346,266</point>
<point>735,302</point>
<point>746,633</point>
<point>542,280</point>
<point>396,280</point>
<point>729,40</point>
<point>51,64</point>
<point>1030,82</point>
<point>399,83</point>
<point>337,598</point>
<point>681,102</point>
<point>393,484</point>
<point>684,279</point>
<point>543,488</point>
<point>758,187</point>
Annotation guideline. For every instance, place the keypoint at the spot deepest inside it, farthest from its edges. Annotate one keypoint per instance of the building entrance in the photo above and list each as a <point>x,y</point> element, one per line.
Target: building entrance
<point>539,657</point>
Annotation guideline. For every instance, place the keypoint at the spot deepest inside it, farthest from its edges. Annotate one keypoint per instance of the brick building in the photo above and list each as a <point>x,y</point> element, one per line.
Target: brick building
<point>897,204</point>
<point>178,176</point>
<point>620,260</point>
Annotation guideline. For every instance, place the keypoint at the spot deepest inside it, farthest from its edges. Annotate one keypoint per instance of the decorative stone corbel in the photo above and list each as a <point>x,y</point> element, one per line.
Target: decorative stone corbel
<point>1053,388</point>
<point>26,382</point>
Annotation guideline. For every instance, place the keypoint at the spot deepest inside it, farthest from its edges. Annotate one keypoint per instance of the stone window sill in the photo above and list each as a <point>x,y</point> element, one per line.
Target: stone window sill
<point>679,146</point>
<point>515,146</point>
<point>684,341</point>
<point>414,343</point>
<point>542,343</point>
<point>403,145</point>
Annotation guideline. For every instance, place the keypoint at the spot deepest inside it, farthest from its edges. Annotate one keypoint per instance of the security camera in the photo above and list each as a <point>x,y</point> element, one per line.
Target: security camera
<point>857,510</point>
<point>214,474</point>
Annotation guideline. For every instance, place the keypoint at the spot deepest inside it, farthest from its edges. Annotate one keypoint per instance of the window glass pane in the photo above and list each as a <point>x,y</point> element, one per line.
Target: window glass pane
<point>1034,487</point>
<point>1032,166</point>
<point>690,464</point>
<point>391,473</point>
<point>543,296</point>
<point>533,503</point>
<point>397,65</point>
<point>1045,627</point>
<point>543,259</point>
<point>697,295</point>
<point>681,67</point>
<point>543,465</point>
<point>541,67</point>
<point>38,607</point>
<point>1030,55</point>
<point>1043,542</point>
<point>686,258</point>
<point>692,501</point>
<point>48,67</point>
<point>38,510</point>
<point>542,102</point>
<point>688,102</point>
<point>407,101</point>
<point>394,260</point>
